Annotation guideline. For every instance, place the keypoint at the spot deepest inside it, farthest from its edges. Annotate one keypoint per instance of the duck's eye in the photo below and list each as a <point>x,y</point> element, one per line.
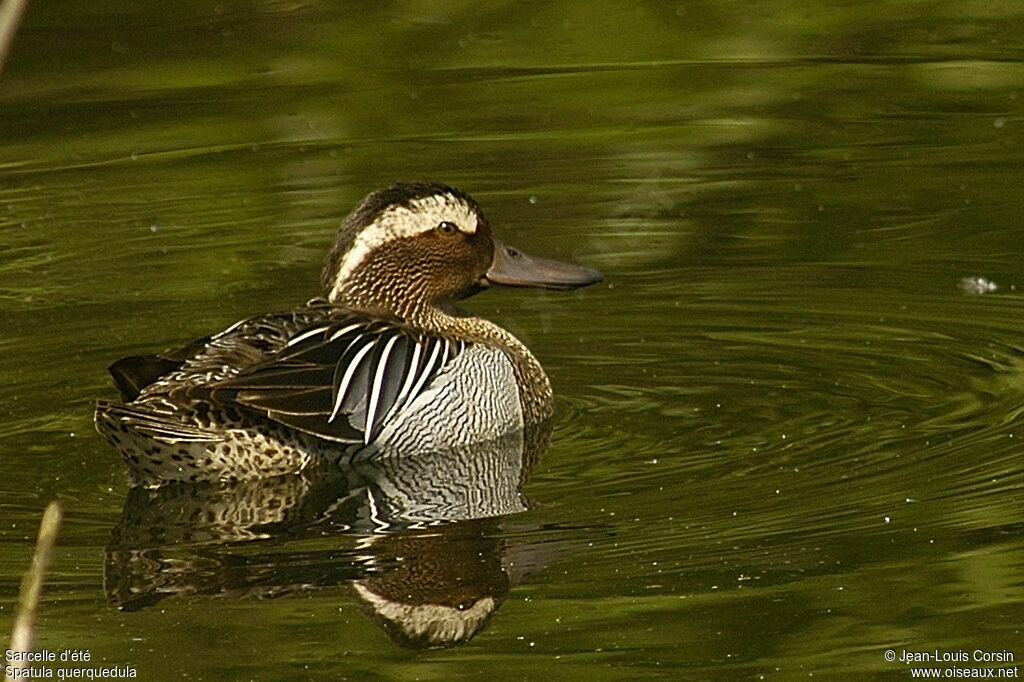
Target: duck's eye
<point>447,227</point>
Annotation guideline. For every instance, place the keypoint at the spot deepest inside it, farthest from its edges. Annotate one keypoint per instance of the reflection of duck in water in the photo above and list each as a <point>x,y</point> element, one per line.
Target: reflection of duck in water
<point>437,414</point>
<point>383,362</point>
<point>418,540</point>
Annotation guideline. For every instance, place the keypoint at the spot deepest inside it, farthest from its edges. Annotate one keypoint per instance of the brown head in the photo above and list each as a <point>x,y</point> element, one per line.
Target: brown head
<point>421,244</point>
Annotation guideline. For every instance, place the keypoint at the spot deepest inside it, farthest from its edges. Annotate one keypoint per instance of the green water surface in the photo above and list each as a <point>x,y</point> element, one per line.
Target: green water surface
<point>788,435</point>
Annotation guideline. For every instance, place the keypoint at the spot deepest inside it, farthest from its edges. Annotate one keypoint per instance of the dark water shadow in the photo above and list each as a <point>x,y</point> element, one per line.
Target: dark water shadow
<point>418,540</point>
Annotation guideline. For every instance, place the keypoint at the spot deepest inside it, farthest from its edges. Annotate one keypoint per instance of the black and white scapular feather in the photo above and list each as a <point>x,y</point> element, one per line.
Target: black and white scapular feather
<point>341,380</point>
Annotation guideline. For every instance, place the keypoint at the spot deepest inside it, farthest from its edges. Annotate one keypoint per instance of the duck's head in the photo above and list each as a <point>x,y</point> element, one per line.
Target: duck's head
<point>422,244</point>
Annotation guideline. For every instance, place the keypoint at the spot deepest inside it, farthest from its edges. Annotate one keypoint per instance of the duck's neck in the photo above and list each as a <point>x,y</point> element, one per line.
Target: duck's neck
<point>534,387</point>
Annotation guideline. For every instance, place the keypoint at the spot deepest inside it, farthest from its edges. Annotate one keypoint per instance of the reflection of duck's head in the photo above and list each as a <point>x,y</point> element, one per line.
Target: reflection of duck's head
<point>435,588</point>
<point>425,625</point>
<point>418,245</point>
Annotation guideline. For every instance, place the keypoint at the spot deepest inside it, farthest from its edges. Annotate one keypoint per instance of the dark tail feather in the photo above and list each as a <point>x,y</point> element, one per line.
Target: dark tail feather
<point>134,373</point>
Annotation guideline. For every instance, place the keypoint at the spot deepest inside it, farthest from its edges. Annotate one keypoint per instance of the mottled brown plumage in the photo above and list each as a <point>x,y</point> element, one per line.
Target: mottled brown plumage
<point>382,362</point>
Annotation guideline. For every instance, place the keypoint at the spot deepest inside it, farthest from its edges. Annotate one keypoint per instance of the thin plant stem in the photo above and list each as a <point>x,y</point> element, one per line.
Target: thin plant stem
<point>11,12</point>
<point>32,585</point>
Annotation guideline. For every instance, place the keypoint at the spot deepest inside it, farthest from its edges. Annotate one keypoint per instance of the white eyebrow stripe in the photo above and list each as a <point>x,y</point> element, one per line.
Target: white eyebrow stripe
<point>398,222</point>
<point>446,207</point>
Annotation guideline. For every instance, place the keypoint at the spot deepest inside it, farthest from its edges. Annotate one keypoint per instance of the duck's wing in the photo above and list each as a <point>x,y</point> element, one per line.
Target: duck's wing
<point>246,343</point>
<point>341,379</point>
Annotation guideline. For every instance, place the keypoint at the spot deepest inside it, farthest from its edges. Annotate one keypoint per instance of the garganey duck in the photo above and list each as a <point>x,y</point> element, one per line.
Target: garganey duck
<point>381,361</point>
